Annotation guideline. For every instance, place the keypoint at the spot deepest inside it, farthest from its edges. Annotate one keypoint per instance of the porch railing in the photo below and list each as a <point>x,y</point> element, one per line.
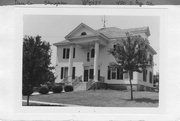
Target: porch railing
<point>89,84</point>
<point>77,81</point>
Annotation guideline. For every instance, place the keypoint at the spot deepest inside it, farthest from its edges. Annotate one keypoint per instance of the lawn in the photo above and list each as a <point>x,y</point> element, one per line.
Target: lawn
<point>101,98</point>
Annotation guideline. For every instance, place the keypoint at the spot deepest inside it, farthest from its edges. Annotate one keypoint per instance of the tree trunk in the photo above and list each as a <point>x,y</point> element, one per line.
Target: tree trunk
<point>28,100</point>
<point>131,85</point>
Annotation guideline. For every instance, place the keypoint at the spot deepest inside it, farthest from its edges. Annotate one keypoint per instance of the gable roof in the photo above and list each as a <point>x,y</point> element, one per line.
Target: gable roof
<point>78,27</point>
<point>106,33</point>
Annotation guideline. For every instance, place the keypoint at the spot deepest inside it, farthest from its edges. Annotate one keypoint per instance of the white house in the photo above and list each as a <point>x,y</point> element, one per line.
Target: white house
<point>83,58</point>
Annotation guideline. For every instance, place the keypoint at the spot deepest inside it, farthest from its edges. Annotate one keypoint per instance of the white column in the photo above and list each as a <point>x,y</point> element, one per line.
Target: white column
<point>96,61</point>
<point>70,64</point>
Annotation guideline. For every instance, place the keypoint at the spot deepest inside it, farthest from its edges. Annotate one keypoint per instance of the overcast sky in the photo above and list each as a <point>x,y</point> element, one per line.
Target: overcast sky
<point>53,28</point>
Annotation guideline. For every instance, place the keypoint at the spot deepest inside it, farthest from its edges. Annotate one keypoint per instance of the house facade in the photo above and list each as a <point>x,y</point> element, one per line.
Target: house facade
<point>83,58</point>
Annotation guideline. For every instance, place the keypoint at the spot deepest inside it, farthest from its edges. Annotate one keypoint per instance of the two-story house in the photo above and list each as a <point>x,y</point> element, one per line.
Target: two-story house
<point>84,54</point>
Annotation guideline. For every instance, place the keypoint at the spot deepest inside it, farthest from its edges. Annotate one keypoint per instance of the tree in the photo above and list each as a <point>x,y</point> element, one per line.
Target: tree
<point>130,54</point>
<point>36,63</point>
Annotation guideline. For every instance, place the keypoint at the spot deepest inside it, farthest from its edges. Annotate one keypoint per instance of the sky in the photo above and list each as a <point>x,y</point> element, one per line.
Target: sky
<point>53,28</point>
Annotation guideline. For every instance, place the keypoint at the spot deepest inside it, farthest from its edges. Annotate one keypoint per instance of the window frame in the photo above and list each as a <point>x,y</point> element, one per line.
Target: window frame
<point>66,53</point>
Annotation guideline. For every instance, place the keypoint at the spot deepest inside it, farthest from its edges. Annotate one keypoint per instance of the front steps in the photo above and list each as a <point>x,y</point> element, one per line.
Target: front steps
<point>81,86</point>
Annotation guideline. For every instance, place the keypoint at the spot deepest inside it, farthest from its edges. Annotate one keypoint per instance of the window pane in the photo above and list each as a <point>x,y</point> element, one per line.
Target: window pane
<point>61,72</point>
<point>118,73</point>
<point>73,73</point>
<point>109,74</point>
<point>114,75</point>
<point>92,53</point>
<point>88,56</point>
<point>67,53</point>
<point>91,73</point>
<point>121,74</point>
<point>74,52</point>
<point>64,53</point>
<point>65,72</point>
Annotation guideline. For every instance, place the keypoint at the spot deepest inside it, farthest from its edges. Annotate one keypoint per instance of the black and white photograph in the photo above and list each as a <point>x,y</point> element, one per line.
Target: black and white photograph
<point>86,63</point>
<point>91,61</point>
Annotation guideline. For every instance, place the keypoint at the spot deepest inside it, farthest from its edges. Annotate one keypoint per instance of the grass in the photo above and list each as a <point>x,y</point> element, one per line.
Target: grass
<point>101,98</point>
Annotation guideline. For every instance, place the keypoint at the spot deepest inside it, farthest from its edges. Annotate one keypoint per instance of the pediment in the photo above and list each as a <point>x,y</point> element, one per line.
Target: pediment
<point>81,30</point>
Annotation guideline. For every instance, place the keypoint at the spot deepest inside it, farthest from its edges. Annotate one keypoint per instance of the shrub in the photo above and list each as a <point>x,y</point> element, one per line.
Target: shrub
<point>68,88</point>
<point>57,89</point>
<point>27,90</point>
<point>43,90</point>
<point>50,85</point>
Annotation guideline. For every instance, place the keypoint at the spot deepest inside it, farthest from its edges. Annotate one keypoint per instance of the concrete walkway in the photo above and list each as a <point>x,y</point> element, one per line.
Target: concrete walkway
<point>48,103</point>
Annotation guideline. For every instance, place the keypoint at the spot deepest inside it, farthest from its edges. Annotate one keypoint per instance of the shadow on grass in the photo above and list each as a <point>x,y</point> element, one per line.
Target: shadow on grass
<point>145,100</point>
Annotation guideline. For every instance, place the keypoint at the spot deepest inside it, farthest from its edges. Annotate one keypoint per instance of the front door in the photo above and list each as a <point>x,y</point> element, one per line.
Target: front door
<point>86,75</point>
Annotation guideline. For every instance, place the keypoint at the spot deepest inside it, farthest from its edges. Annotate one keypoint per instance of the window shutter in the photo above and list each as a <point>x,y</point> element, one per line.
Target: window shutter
<point>109,73</point>
<point>62,73</point>
<point>88,56</point>
<point>121,74</point>
<point>74,52</point>
<point>150,77</point>
<point>118,73</point>
<point>73,73</point>
<point>64,52</point>
<point>67,53</point>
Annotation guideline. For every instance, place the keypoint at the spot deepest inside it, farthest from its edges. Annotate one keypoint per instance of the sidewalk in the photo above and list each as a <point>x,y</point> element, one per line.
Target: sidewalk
<point>49,104</point>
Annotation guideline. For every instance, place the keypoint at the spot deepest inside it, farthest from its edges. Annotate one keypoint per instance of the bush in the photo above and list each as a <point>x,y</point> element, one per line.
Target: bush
<point>57,89</point>
<point>68,88</point>
<point>43,90</point>
<point>50,85</point>
<point>27,90</point>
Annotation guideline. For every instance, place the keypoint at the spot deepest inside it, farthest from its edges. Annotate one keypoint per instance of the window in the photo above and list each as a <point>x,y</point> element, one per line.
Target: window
<point>64,72</point>
<point>144,75</point>
<point>73,72</point>
<point>115,74</point>
<point>114,46</point>
<point>74,52</point>
<point>83,33</point>
<point>91,73</point>
<point>150,77</point>
<point>119,73</point>
<point>92,53</point>
<point>109,73</point>
<point>88,56</point>
<point>151,59</point>
<point>66,53</point>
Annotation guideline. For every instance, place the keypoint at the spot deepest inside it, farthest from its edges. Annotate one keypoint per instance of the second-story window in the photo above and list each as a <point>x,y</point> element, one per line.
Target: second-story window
<point>92,53</point>
<point>66,52</point>
<point>74,52</point>
<point>88,56</point>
